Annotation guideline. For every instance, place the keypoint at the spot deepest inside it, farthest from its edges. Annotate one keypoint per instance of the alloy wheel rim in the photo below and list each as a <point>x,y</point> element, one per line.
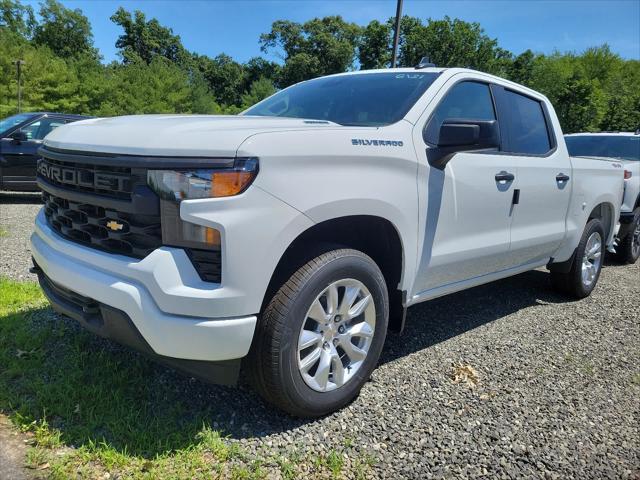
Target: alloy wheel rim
<point>592,259</point>
<point>336,335</point>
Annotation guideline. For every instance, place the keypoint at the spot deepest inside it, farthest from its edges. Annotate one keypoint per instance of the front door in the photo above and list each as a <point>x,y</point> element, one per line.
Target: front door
<point>468,203</point>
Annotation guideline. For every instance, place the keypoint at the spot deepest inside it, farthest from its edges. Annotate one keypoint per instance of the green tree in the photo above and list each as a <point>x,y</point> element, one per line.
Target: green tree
<point>224,76</point>
<point>374,48</point>
<point>146,39</point>
<point>321,46</point>
<point>521,69</point>
<point>17,18</point>
<point>67,32</point>
<point>259,90</point>
<point>257,68</point>
<point>451,43</point>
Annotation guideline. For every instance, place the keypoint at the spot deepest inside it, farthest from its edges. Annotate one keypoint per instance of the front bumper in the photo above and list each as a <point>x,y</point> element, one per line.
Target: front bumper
<point>162,296</point>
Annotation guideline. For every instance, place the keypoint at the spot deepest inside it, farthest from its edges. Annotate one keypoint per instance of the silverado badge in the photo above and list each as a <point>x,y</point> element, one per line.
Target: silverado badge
<point>115,226</point>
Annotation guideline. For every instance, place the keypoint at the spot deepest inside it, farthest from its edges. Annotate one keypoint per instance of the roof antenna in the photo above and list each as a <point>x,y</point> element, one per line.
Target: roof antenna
<point>425,62</point>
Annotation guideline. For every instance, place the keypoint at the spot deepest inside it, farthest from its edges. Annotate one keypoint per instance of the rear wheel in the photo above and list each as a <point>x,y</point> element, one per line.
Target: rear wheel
<point>629,249</point>
<point>321,335</point>
<point>583,276</point>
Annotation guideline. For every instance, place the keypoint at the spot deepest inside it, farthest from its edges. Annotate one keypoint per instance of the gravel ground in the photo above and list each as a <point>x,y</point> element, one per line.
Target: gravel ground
<point>548,388</point>
<point>17,213</point>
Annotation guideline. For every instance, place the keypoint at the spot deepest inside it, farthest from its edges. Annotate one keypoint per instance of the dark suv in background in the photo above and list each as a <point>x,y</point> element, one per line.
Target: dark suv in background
<point>20,137</point>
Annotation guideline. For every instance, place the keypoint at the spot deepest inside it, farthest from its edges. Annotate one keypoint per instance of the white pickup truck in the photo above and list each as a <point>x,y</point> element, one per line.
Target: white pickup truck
<point>623,147</point>
<point>289,239</point>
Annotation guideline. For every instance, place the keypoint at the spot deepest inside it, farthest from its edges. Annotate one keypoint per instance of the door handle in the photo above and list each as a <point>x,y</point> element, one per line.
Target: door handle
<point>505,177</point>
<point>561,177</point>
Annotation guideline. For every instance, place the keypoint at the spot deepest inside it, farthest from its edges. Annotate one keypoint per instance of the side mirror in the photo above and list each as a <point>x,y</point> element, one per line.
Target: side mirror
<point>19,136</point>
<point>460,135</point>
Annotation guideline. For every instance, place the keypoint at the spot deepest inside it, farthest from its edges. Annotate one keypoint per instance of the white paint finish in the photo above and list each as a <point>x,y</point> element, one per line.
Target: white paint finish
<point>257,229</point>
<point>457,226</point>
<point>176,336</point>
<point>539,220</point>
<point>321,174</point>
<point>169,135</point>
<point>632,185</point>
<point>468,218</point>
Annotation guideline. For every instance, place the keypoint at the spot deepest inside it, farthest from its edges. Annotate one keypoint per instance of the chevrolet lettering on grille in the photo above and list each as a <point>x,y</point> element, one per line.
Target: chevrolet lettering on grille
<point>81,177</point>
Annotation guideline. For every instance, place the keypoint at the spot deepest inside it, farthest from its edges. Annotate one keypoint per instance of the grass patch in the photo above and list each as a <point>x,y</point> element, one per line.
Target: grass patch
<point>3,233</point>
<point>90,408</point>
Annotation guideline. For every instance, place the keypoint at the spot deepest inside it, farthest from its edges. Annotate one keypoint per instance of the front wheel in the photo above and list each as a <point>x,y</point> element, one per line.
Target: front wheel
<point>629,249</point>
<point>321,335</point>
<point>580,281</point>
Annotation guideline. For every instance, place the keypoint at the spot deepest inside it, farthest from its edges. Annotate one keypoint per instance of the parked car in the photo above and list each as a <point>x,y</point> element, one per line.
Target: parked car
<point>625,148</point>
<point>20,137</point>
<point>290,238</point>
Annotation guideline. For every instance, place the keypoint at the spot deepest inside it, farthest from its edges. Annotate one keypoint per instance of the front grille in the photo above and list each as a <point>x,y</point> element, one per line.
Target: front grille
<point>86,223</point>
<point>106,180</point>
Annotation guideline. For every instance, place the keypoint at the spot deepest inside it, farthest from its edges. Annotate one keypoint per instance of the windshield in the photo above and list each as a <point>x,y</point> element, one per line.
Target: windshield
<point>625,147</point>
<point>12,121</point>
<point>371,99</point>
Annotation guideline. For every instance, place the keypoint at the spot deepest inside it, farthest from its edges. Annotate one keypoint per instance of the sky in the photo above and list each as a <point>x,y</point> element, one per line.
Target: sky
<point>211,27</point>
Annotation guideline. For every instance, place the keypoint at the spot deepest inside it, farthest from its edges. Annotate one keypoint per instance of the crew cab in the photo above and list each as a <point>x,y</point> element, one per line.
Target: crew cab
<point>20,137</point>
<point>625,148</point>
<point>289,239</point>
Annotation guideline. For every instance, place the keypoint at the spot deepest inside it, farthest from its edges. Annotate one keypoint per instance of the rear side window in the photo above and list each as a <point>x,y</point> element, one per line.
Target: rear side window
<point>528,130</point>
<point>465,100</point>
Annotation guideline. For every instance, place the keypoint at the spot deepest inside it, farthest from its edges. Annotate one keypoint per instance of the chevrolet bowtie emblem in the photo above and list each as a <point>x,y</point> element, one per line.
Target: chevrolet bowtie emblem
<point>113,225</point>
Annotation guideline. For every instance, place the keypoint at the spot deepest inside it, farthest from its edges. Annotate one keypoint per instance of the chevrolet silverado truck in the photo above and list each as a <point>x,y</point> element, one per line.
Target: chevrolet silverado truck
<point>289,239</point>
<point>623,147</point>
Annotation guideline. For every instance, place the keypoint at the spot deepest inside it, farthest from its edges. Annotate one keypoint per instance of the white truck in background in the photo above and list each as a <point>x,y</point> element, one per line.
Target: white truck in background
<point>623,147</point>
<point>289,239</point>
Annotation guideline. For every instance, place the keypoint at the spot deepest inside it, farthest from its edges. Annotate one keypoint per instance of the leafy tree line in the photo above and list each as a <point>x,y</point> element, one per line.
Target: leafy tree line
<point>594,90</point>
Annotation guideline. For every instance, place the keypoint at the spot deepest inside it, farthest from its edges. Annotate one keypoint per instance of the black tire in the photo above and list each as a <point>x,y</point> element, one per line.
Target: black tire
<point>571,282</point>
<point>628,251</point>
<point>272,363</point>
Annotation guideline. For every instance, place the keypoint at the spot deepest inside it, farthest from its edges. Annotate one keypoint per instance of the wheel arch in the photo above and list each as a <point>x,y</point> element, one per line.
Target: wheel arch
<point>373,235</point>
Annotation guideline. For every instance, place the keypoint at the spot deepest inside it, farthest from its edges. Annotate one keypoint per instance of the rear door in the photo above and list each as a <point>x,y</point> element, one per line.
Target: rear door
<point>544,176</point>
<point>467,203</point>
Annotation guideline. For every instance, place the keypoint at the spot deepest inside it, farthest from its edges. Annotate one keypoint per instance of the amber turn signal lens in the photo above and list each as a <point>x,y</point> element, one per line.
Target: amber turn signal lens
<point>229,183</point>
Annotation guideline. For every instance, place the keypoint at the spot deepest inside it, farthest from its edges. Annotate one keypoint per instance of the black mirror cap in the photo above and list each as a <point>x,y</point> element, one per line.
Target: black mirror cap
<point>459,135</point>
<point>19,136</point>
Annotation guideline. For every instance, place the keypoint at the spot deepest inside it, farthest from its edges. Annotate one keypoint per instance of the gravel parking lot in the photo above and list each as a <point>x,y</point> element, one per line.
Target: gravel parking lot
<point>502,381</point>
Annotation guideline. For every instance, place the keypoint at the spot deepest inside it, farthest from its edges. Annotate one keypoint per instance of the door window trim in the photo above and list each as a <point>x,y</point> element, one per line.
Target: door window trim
<point>504,113</point>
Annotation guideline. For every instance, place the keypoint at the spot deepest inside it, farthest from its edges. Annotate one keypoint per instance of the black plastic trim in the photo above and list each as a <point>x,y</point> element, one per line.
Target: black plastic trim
<point>143,200</point>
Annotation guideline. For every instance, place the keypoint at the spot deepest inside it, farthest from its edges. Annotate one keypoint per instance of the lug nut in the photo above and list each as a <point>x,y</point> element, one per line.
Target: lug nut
<point>326,345</point>
<point>341,329</point>
<point>337,318</point>
<point>336,341</point>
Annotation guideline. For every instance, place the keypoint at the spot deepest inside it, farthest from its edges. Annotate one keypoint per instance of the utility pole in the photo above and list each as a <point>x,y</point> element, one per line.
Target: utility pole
<point>19,64</point>
<point>396,35</point>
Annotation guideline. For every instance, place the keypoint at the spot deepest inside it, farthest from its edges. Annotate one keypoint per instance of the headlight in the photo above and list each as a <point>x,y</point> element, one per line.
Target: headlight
<point>179,185</point>
<point>172,186</point>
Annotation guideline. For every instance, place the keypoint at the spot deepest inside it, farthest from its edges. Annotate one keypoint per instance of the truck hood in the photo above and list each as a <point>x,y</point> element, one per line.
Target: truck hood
<point>171,135</point>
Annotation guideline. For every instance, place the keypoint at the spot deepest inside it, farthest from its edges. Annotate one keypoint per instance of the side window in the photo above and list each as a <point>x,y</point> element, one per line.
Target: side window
<point>468,100</point>
<point>528,130</point>
<point>40,129</point>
